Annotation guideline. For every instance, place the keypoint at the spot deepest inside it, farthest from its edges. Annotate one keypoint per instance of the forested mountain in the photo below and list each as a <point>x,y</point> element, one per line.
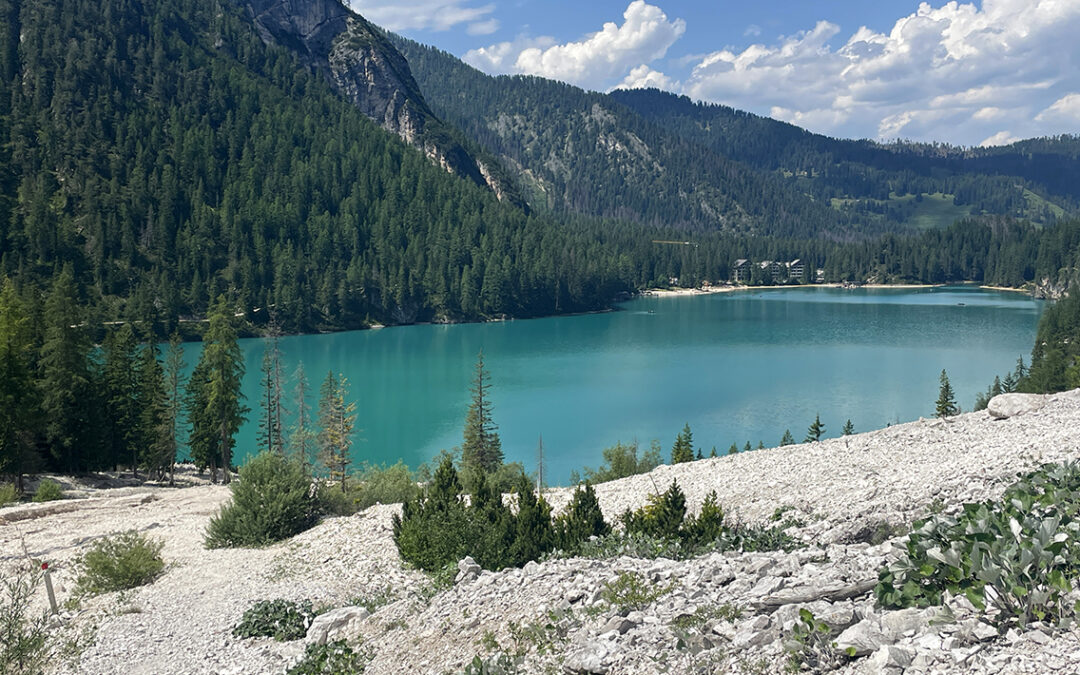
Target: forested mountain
<point>658,158</point>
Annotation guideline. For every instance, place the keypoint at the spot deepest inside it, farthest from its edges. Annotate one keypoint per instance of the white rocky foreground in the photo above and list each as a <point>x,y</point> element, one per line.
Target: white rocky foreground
<point>843,491</point>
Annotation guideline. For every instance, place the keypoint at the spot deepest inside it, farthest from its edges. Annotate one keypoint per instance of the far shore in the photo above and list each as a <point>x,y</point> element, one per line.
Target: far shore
<point>708,290</point>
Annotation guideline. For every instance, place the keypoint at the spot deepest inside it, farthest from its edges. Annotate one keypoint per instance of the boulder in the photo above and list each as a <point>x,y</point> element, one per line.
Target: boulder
<point>336,624</point>
<point>467,570</point>
<point>864,637</point>
<point>1004,406</point>
<point>588,659</point>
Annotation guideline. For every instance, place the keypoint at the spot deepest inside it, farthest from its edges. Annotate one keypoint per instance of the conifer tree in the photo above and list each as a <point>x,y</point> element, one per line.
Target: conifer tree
<point>482,449</point>
<point>946,402</point>
<point>746,447</point>
<point>337,417</point>
<point>734,449</point>
<point>18,397</point>
<point>712,453</point>
<point>683,449</point>
<point>122,397</point>
<point>787,438</point>
<point>174,383</point>
<point>581,520</point>
<point>302,440</point>
<point>156,443</point>
<point>217,390</point>
<point>271,436</point>
<point>848,428</point>
<point>534,534</point>
<point>816,430</point>
<point>66,378</point>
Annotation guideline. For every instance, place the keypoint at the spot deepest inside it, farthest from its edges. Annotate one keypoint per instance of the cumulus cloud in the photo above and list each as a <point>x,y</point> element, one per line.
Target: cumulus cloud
<point>598,61</point>
<point>953,73</point>
<point>1000,138</point>
<point>437,15</point>
<point>644,77</point>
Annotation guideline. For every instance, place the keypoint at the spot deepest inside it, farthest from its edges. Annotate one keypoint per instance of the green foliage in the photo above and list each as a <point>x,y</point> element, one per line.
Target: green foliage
<point>706,613</point>
<point>848,428</point>
<point>1017,555</point>
<point>816,430</point>
<point>337,418</point>
<point>631,591</point>
<point>1055,358</point>
<point>683,450</point>
<point>384,485</point>
<point>810,645</point>
<point>8,494</point>
<point>332,658</point>
<point>621,460</point>
<point>283,620</point>
<point>661,517</point>
<point>481,449</point>
<point>581,520</point>
<point>534,534</point>
<point>272,500</point>
<point>787,439</point>
<point>333,501</point>
<point>24,633</point>
<point>946,402</point>
<point>497,664</point>
<point>119,562</point>
<point>48,491</point>
<point>431,531</point>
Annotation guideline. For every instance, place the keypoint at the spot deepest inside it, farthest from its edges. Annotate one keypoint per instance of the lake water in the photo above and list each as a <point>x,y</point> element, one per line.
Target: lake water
<point>736,366</point>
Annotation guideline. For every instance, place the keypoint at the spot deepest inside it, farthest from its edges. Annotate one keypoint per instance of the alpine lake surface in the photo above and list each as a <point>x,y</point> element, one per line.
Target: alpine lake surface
<point>740,366</point>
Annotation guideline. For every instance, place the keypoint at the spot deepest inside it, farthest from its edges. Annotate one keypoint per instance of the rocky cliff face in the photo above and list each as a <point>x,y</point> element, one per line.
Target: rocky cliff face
<point>371,74</point>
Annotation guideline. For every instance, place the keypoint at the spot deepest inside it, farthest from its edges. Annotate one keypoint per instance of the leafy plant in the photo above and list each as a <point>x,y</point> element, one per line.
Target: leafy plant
<point>384,485</point>
<point>810,645</point>
<point>119,562</point>
<point>24,646</point>
<point>272,500</point>
<point>332,658</point>
<point>48,491</point>
<point>283,620</point>
<point>499,664</point>
<point>706,613</point>
<point>631,591</point>
<point>1018,554</point>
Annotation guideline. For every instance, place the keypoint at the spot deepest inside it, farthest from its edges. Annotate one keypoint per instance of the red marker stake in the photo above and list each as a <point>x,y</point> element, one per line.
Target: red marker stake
<point>48,587</point>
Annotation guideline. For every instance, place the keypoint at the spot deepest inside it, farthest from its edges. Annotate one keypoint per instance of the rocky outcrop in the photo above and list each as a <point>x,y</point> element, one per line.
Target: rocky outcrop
<point>365,69</point>
<point>1004,406</point>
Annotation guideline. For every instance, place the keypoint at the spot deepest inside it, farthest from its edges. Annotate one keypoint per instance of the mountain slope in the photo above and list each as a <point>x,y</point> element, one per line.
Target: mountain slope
<point>362,65</point>
<point>657,158</point>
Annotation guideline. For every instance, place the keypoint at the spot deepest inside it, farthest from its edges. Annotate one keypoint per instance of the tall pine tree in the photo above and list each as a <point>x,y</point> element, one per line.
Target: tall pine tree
<point>18,397</point>
<point>337,418</point>
<point>482,449</point>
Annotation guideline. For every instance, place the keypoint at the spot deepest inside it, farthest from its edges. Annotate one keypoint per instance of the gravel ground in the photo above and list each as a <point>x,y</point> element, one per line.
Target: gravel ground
<point>840,488</point>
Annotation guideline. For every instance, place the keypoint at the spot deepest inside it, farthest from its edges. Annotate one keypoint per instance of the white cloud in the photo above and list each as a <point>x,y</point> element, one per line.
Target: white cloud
<point>1000,138</point>
<point>753,30</point>
<point>598,61</point>
<point>483,27</point>
<point>644,77</point>
<point>950,73</point>
<point>1065,109</point>
<point>397,15</point>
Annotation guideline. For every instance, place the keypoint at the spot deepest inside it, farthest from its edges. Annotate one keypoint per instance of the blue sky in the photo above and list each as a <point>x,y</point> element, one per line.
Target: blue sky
<point>970,73</point>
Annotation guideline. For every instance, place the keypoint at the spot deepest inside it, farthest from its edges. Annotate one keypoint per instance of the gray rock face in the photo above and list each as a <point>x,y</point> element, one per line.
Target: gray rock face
<point>1004,406</point>
<point>369,72</point>
<point>467,570</point>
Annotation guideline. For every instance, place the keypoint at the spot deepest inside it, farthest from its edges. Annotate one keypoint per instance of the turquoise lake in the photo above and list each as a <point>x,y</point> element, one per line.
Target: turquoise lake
<point>735,366</point>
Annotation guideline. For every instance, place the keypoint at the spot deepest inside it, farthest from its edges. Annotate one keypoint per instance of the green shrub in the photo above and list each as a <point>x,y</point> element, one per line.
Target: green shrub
<point>631,591</point>
<point>430,532</point>
<point>581,521</point>
<point>496,664</point>
<point>8,494</point>
<point>1018,554</point>
<point>621,460</point>
<point>384,485</point>
<point>283,620</point>
<point>810,646</point>
<point>662,517</point>
<point>332,658</point>
<point>333,501</point>
<point>272,500</point>
<point>119,562</point>
<point>24,646</point>
<point>48,491</point>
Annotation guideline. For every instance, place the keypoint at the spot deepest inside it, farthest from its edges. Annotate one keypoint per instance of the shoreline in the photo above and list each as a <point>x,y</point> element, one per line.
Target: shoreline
<point>710,290</point>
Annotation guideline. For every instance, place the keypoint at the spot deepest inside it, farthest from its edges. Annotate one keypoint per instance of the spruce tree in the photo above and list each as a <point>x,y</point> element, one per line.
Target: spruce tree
<point>271,437</point>
<point>122,396</point>
<point>18,397</point>
<point>946,402</point>
<point>848,428</point>
<point>222,369</point>
<point>816,430</point>
<point>581,520</point>
<point>746,447</point>
<point>65,385</point>
<point>156,443</point>
<point>787,438</point>
<point>302,439</point>
<point>337,418</point>
<point>174,383</point>
<point>482,449</point>
<point>683,449</point>
<point>734,449</point>
<point>534,534</point>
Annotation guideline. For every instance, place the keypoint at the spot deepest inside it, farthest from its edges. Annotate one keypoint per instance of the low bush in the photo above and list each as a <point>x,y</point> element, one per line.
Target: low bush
<point>24,645</point>
<point>631,591</point>
<point>273,499</point>
<point>283,620</point>
<point>332,658</point>
<point>8,494</point>
<point>48,491</point>
<point>581,522</point>
<point>622,460</point>
<point>119,562</point>
<point>384,485</point>
<point>1018,555</point>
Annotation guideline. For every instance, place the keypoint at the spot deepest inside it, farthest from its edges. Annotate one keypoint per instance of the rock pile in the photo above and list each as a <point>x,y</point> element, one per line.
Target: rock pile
<point>850,499</point>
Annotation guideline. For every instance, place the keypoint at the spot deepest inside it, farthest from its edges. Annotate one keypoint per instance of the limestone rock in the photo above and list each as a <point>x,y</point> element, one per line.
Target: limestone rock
<point>336,624</point>
<point>865,637</point>
<point>1004,406</point>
